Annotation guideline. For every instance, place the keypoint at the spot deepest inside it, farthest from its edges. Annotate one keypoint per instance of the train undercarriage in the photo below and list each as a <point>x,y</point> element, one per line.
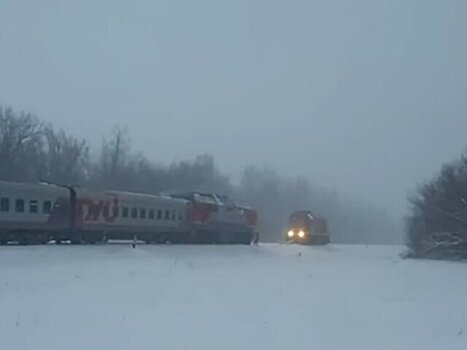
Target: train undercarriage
<point>100,237</point>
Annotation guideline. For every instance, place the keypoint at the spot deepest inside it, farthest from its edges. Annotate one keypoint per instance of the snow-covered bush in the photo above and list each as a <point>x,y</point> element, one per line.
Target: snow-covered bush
<point>437,223</point>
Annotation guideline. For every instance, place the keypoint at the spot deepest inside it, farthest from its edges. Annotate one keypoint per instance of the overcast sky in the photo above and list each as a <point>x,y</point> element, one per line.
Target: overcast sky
<point>368,97</point>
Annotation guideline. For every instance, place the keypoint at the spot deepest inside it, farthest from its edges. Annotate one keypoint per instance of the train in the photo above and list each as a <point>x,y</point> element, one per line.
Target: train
<point>37,213</point>
<point>305,228</point>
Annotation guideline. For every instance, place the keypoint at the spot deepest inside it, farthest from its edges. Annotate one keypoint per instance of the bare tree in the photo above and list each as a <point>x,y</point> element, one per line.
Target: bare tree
<point>111,168</point>
<point>65,157</point>
<point>20,145</point>
<point>198,175</point>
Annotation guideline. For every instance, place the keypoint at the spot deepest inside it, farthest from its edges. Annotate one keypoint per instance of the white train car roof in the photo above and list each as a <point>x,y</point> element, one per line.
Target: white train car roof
<point>18,189</point>
<point>134,197</point>
<point>147,198</point>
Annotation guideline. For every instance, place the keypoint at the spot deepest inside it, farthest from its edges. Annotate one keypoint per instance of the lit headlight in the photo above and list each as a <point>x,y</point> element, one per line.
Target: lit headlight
<point>290,233</point>
<point>301,234</point>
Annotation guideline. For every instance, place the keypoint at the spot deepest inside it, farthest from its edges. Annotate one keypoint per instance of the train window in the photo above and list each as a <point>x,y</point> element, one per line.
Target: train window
<point>46,207</point>
<point>180,215</point>
<point>4,204</point>
<point>94,211</point>
<point>174,216</point>
<point>159,214</point>
<point>134,213</point>
<point>167,215</point>
<point>19,205</point>
<point>105,211</point>
<point>151,213</point>
<point>142,213</point>
<point>33,206</point>
<point>115,212</point>
<point>125,211</point>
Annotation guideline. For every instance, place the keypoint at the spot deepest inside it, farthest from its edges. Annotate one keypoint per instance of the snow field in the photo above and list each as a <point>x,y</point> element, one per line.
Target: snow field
<point>228,297</point>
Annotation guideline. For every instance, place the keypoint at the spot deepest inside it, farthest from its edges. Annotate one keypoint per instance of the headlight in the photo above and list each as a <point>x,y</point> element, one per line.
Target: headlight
<point>290,233</point>
<point>301,234</point>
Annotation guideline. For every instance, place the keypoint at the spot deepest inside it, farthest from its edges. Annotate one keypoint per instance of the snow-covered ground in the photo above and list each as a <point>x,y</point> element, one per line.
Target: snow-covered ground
<point>228,297</point>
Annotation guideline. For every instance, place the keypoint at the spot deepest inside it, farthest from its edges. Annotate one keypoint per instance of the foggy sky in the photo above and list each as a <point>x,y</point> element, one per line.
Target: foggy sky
<point>367,97</point>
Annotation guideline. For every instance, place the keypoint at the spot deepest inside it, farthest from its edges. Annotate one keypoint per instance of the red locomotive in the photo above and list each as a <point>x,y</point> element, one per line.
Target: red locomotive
<point>305,228</point>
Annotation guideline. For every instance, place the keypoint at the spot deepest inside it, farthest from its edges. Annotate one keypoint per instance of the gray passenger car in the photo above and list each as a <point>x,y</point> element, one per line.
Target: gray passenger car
<point>26,210</point>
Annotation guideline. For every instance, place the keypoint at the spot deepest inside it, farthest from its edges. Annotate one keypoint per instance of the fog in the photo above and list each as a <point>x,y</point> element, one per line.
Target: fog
<point>364,97</point>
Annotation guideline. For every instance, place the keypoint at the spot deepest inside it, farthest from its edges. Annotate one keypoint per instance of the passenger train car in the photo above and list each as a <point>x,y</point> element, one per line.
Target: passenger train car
<point>25,210</point>
<point>305,228</point>
<point>37,213</point>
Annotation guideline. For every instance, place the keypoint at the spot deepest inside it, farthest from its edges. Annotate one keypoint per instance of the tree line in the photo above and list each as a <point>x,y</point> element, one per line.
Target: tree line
<point>31,150</point>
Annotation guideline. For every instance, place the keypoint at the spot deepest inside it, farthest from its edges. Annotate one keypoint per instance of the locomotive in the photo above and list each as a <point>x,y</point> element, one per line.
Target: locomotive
<point>40,212</point>
<point>305,228</point>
